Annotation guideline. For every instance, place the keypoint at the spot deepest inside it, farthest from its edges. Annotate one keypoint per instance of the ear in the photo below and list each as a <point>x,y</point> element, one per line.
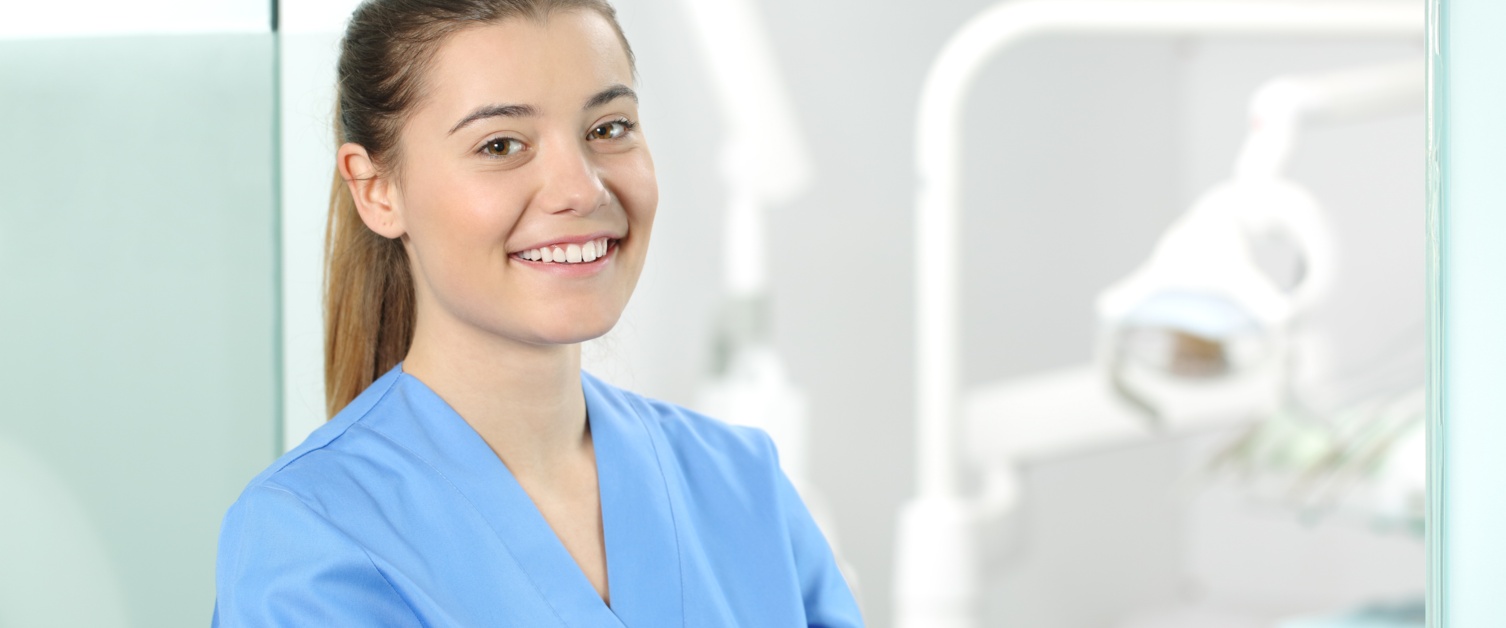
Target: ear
<point>375,193</point>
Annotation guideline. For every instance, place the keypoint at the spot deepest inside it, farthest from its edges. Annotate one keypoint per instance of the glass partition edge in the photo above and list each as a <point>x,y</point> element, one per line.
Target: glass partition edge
<point>1436,540</point>
<point>279,359</point>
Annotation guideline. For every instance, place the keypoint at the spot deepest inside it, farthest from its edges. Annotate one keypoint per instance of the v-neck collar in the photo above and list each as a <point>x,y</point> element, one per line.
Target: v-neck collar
<point>642,551</point>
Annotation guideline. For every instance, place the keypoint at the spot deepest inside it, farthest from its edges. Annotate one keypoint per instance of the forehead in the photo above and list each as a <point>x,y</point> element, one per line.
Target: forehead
<point>556,61</point>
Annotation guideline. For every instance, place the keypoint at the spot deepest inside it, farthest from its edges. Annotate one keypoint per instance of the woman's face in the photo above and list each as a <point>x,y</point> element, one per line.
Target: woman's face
<point>525,189</point>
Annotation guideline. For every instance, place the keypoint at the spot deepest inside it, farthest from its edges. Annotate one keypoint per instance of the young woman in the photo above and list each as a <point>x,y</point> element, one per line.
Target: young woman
<point>492,207</point>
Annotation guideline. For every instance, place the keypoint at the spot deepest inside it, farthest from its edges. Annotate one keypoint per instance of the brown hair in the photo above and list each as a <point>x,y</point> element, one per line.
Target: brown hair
<point>368,286</point>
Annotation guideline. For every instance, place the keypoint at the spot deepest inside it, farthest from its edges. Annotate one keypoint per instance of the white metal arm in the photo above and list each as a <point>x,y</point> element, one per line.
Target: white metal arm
<point>1282,106</point>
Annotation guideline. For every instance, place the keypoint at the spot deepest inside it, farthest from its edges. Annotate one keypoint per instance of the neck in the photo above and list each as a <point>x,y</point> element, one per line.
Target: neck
<point>524,400</point>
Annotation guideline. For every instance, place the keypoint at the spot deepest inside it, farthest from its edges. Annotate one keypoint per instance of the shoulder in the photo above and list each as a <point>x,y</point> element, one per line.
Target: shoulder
<point>692,434</point>
<point>274,564</point>
<point>330,457</point>
<point>293,519</point>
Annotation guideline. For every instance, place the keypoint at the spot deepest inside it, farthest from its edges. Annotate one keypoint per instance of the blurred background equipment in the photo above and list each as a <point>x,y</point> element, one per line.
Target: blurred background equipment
<point>764,163</point>
<point>1201,309</point>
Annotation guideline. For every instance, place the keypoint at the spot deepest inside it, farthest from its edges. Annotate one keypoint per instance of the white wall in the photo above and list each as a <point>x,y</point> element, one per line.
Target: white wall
<point>21,19</point>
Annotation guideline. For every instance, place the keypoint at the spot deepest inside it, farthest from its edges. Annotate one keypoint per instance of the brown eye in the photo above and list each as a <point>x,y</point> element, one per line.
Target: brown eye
<point>611,130</point>
<point>502,147</point>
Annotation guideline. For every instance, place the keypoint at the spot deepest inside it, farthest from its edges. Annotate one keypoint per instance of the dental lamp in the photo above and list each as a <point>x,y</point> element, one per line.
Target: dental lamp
<point>1201,310</point>
<point>937,571</point>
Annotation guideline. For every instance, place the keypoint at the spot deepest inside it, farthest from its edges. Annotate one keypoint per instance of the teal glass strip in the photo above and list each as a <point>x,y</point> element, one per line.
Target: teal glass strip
<point>1436,610</point>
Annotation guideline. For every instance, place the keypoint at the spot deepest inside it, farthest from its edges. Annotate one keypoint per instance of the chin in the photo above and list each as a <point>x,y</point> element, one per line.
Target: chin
<point>575,328</point>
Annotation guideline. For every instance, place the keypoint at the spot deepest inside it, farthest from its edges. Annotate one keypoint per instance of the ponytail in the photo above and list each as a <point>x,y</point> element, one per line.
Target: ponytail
<point>368,299</point>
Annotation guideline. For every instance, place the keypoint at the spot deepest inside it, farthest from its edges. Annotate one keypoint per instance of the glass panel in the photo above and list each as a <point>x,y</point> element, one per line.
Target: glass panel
<point>1467,138</point>
<point>137,228</point>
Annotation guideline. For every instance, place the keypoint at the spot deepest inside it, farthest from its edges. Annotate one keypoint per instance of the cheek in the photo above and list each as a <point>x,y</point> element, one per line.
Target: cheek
<point>462,212</point>
<point>457,226</point>
<point>638,191</point>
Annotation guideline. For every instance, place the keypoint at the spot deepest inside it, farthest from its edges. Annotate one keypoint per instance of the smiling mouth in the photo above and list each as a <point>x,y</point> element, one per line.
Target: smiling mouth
<point>583,253</point>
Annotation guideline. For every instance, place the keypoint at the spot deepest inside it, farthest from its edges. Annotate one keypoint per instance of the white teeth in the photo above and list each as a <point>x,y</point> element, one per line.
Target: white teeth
<point>588,251</point>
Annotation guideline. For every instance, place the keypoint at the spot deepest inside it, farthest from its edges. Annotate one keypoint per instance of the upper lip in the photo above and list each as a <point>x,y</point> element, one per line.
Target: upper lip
<point>580,239</point>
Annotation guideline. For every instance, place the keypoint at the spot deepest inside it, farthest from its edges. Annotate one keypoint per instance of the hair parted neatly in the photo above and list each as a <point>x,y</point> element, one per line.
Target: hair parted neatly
<point>368,286</point>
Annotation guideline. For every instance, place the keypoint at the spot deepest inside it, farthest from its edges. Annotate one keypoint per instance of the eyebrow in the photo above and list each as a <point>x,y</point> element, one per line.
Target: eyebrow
<point>525,111</point>
<point>496,111</point>
<point>610,94</point>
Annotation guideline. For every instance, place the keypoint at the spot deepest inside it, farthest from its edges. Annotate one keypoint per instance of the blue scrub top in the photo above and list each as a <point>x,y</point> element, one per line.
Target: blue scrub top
<point>397,513</point>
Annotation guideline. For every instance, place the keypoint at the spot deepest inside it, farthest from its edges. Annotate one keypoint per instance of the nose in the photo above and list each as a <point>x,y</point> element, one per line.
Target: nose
<point>571,182</point>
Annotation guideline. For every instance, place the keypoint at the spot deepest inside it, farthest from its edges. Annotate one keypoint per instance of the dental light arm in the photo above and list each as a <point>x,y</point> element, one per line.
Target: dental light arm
<point>1206,255</point>
<point>1282,106</point>
<point>1279,110</point>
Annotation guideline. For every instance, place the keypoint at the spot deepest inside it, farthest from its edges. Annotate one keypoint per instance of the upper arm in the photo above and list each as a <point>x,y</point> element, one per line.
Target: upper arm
<point>282,564</point>
<point>828,600</point>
